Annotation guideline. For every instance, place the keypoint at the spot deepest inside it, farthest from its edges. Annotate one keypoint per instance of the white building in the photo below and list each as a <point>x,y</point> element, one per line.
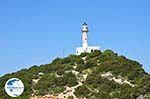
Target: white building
<point>85,47</point>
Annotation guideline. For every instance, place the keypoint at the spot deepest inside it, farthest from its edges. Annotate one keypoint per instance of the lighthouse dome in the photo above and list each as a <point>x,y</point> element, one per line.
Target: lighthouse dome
<point>84,27</point>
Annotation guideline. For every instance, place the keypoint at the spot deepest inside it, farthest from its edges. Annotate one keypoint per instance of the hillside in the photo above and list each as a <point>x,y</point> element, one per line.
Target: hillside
<point>96,75</point>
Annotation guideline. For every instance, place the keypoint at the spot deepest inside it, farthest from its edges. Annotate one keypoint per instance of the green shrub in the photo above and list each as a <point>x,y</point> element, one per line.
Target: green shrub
<point>90,63</point>
<point>95,53</point>
<point>57,61</point>
<point>84,54</point>
<point>82,91</point>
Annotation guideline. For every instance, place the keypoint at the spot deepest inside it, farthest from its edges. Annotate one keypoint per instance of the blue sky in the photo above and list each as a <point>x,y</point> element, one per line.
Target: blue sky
<point>34,32</point>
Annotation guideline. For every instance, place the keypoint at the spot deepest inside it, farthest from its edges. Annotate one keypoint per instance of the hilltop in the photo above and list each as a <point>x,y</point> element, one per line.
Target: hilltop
<point>96,75</point>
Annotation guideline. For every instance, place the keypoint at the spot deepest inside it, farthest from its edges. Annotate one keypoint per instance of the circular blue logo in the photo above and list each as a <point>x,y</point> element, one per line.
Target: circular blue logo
<point>14,87</point>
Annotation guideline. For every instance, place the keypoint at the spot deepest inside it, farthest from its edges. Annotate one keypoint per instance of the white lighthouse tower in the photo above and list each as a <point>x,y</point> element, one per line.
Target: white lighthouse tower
<point>85,47</point>
<point>85,37</point>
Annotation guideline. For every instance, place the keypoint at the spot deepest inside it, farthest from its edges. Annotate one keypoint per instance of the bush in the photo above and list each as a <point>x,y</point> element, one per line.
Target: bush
<point>68,67</point>
<point>58,90</point>
<point>90,63</point>
<point>76,59</point>
<point>71,79</point>
<point>80,68</point>
<point>96,53</point>
<point>61,81</point>
<point>107,55</point>
<point>84,54</point>
<point>57,61</point>
<point>82,91</point>
<point>66,60</point>
<point>60,72</point>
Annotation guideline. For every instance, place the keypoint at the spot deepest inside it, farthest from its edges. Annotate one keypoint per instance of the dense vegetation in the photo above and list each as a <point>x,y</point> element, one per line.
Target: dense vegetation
<point>53,78</point>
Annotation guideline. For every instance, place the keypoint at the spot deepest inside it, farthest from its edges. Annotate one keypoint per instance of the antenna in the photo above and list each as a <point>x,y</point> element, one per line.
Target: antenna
<point>63,53</point>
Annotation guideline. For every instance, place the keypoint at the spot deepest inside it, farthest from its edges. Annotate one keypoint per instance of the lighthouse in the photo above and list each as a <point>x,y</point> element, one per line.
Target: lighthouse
<point>85,31</point>
<point>85,47</point>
